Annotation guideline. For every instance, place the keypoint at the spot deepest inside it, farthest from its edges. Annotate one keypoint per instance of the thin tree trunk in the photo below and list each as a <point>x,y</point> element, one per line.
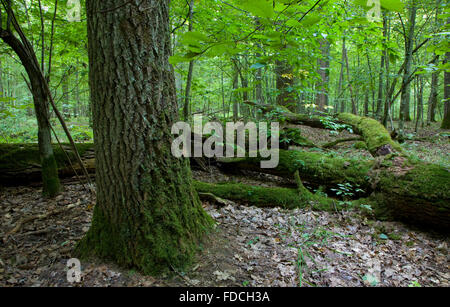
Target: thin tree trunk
<point>187,98</point>
<point>446,118</point>
<point>432,100</point>
<point>324,68</point>
<point>354,108</point>
<point>419,118</point>
<point>341,77</point>
<point>381,74</point>
<point>406,90</point>
<point>51,184</point>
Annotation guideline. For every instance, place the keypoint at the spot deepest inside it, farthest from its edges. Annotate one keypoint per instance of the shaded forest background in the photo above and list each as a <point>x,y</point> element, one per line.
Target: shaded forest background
<point>331,59</point>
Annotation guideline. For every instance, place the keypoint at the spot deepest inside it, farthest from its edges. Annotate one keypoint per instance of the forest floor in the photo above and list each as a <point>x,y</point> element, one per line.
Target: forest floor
<point>249,247</point>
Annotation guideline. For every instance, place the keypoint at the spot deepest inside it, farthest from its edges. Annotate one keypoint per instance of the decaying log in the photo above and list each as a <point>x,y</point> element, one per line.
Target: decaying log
<point>375,135</point>
<point>398,188</point>
<point>395,186</point>
<point>20,163</point>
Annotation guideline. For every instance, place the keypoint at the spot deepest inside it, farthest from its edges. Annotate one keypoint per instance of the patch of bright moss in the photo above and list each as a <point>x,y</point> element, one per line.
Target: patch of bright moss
<point>265,196</point>
<point>360,145</point>
<point>373,132</point>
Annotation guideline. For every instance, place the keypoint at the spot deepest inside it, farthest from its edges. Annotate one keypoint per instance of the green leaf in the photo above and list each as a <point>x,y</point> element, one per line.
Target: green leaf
<point>383,236</point>
<point>390,5</point>
<point>393,5</point>
<point>310,19</point>
<point>257,66</point>
<point>175,59</point>
<point>372,280</point>
<point>193,38</point>
<point>258,8</point>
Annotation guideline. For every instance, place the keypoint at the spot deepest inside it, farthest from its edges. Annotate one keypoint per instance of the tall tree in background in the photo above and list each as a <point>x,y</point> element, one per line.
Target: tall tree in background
<point>382,66</point>
<point>324,73</point>
<point>433,98</point>
<point>409,46</point>
<point>147,215</point>
<point>187,98</point>
<point>446,120</point>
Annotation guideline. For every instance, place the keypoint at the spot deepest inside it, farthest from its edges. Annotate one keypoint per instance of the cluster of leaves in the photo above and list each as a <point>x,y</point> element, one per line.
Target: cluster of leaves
<point>331,124</point>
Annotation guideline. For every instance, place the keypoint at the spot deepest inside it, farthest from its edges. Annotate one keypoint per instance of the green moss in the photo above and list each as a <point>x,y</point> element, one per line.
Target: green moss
<point>374,133</point>
<point>394,236</point>
<point>50,179</point>
<point>419,195</point>
<point>264,196</point>
<point>154,234</point>
<point>293,136</point>
<point>315,168</point>
<point>16,156</point>
<point>360,145</point>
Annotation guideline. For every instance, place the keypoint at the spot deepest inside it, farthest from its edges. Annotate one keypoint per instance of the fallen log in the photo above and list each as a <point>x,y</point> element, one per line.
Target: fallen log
<point>375,135</point>
<point>20,163</point>
<point>398,188</point>
<point>395,186</point>
<point>315,168</point>
<point>265,196</point>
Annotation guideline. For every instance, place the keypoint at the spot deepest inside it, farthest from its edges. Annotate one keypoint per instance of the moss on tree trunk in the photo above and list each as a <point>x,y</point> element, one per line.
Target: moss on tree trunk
<point>148,215</point>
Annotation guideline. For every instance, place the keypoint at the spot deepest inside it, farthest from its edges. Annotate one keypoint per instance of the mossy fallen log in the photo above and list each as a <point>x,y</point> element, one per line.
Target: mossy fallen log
<point>21,164</point>
<point>396,186</point>
<point>375,135</point>
<point>266,196</point>
<point>399,188</point>
<point>315,168</point>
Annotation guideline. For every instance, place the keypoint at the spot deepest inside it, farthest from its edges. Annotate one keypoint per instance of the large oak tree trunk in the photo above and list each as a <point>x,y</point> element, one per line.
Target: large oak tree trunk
<point>147,215</point>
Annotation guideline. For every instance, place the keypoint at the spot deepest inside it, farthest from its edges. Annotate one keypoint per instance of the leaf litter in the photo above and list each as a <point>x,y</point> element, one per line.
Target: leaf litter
<point>250,246</point>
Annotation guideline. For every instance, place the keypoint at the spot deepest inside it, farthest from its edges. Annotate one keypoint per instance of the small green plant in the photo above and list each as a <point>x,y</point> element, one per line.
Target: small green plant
<point>331,124</point>
<point>347,190</point>
<point>414,284</point>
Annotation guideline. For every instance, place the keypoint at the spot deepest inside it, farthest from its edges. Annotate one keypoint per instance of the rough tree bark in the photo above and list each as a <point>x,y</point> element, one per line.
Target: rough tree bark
<point>148,215</point>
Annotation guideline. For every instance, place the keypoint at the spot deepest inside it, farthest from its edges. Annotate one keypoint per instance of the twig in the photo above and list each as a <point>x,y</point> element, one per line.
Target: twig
<point>28,219</point>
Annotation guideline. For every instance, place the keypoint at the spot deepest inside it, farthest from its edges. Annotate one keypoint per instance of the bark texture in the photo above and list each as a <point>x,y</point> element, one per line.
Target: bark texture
<point>147,215</point>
